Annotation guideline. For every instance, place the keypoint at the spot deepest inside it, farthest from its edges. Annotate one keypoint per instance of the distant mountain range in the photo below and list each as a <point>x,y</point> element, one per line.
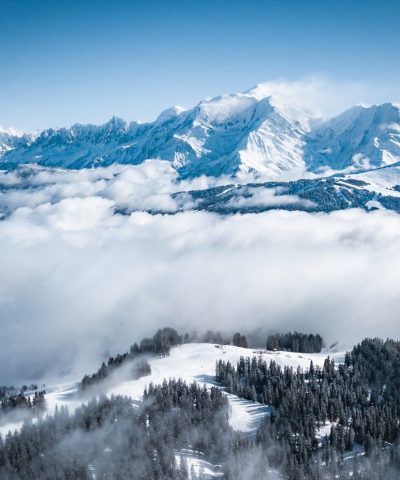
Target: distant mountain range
<point>246,132</point>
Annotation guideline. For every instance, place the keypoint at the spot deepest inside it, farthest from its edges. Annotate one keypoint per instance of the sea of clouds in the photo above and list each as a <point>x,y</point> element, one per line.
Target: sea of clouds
<point>79,280</point>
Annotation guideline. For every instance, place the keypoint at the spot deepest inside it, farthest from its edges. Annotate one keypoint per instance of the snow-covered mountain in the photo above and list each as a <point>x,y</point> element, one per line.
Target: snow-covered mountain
<point>218,136</point>
<point>11,139</point>
<point>359,139</point>
<point>245,132</point>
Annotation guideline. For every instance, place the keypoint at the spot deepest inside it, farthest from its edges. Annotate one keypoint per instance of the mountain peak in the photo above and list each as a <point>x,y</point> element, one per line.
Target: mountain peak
<point>169,114</point>
<point>116,123</point>
<point>11,132</point>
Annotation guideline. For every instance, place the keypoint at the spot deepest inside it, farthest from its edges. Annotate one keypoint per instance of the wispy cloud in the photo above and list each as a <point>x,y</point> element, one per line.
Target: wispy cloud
<point>271,197</point>
<point>327,96</point>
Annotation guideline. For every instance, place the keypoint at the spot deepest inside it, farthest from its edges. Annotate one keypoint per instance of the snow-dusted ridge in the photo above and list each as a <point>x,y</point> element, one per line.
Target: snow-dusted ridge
<point>246,132</point>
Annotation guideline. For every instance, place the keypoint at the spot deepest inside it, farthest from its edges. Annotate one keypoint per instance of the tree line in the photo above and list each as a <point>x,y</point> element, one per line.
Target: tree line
<point>158,345</point>
<point>295,342</point>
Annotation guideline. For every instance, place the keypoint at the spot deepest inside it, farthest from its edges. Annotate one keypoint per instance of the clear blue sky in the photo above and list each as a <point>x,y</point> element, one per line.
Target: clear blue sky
<point>86,60</point>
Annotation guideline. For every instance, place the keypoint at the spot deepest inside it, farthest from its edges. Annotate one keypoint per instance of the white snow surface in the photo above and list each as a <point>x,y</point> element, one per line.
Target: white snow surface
<point>381,180</point>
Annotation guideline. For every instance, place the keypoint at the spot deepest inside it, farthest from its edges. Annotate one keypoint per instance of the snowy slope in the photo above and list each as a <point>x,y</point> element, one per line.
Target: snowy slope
<point>360,138</point>
<point>190,362</point>
<point>196,361</point>
<point>383,179</point>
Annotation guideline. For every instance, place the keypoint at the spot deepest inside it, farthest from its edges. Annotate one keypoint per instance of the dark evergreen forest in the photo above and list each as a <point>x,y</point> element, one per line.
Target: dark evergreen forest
<point>360,399</point>
<point>295,342</point>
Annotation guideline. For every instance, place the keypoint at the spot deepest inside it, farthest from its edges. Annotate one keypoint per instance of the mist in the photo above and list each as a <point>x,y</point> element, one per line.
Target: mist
<point>79,281</point>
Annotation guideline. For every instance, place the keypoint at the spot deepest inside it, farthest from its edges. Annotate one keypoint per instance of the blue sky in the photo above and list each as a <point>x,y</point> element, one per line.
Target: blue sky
<point>67,61</point>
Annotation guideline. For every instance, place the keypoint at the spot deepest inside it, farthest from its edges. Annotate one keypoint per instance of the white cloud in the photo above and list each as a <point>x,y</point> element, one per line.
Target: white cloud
<point>327,96</point>
<point>147,186</point>
<point>78,282</point>
<point>271,197</point>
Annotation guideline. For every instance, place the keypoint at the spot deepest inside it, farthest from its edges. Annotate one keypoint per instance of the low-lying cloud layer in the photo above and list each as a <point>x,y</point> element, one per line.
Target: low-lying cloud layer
<point>78,280</point>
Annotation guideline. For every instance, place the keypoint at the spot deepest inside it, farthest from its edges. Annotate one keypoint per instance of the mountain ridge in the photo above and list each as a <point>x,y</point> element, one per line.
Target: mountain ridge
<point>250,132</point>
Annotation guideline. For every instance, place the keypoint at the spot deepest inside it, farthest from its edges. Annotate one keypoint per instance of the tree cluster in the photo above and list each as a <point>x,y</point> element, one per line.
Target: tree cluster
<point>295,342</point>
<point>160,344</point>
<point>239,340</point>
<point>35,404</point>
<point>140,368</point>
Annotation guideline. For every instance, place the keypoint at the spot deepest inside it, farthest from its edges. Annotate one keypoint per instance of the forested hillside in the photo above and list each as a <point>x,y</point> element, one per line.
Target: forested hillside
<point>359,400</point>
<point>326,421</point>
